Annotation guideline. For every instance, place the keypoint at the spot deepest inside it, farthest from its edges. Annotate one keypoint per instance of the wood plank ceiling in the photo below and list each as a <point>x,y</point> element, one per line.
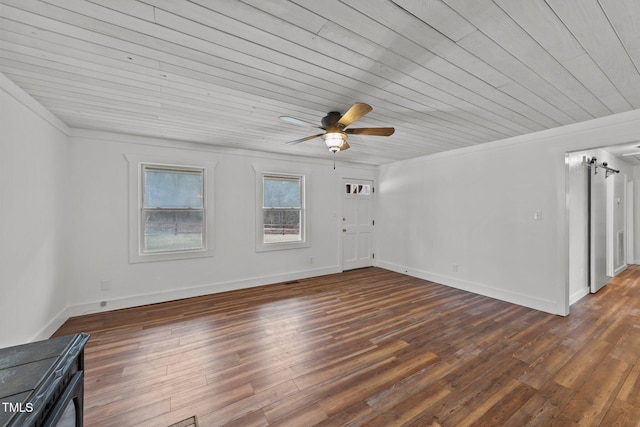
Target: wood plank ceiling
<point>445,73</point>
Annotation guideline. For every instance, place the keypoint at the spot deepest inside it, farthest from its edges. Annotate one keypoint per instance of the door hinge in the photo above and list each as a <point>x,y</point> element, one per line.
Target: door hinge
<point>373,222</point>
<point>373,256</point>
<point>373,189</point>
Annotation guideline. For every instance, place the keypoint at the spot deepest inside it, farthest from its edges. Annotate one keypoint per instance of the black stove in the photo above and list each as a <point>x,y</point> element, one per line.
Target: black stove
<point>42,383</point>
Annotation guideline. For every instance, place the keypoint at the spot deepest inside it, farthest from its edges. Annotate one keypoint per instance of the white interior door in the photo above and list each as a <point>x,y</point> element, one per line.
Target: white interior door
<point>598,230</point>
<point>357,223</point>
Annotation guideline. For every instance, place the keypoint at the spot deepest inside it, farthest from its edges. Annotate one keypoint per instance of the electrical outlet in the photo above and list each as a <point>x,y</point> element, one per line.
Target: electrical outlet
<point>454,267</point>
<point>105,285</point>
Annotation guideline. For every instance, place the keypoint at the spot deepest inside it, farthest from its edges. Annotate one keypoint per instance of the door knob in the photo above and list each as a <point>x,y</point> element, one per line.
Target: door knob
<point>344,230</point>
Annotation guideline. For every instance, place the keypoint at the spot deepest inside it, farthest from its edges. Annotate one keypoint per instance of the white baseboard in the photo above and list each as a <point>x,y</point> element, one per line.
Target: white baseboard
<point>157,297</point>
<point>476,288</point>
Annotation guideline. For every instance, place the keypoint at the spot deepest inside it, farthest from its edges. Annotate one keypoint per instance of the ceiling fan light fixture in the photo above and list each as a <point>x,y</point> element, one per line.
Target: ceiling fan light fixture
<point>334,140</point>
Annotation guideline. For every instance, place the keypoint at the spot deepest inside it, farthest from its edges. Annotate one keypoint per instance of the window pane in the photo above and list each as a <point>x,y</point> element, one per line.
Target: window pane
<point>282,225</point>
<point>166,188</point>
<point>281,192</point>
<point>178,230</point>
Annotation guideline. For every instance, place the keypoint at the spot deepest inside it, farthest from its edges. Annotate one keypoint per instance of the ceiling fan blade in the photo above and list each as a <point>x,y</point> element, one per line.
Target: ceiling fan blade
<point>344,146</point>
<point>371,131</point>
<point>356,111</point>
<point>295,121</point>
<point>297,141</point>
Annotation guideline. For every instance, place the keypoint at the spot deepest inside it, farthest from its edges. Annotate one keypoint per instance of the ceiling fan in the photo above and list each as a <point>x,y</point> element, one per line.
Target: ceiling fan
<point>334,124</point>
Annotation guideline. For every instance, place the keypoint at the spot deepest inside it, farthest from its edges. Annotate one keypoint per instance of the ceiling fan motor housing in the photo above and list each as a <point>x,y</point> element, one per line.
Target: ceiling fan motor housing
<point>330,120</point>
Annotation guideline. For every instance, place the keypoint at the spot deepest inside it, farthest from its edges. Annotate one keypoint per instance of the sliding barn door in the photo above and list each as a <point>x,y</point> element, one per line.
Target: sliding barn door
<point>357,224</point>
<point>597,230</point>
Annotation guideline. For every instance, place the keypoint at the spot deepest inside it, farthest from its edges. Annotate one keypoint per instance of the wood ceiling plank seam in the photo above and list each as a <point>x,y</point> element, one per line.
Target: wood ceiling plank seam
<point>106,34</point>
<point>544,26</point>
<point>445,90</point>
<point>417,32</point>
<point>146,123</point>
<point>540,114</point>
<point>62,92</point>
<point>402,102</point>
<point>498,26</point>
<point>83,67</point>
<point>586,70</point>
<point>453,26</point>
<point>260,22</point>
<point>195,26</point>
<point>325,83</point>
<point>446,47</point>
<point>87,104</point>
<point>489,51</point>
<point>136,9</point>
<point>439,123</point>
<point>286,11</point>
<point>33,35</point>
<point>511,108</point>
<point>590,26</point>
<point>162,119</point>
<point>442,47</point>
<point>481,122</point>
<point>26,79</point>
<point>45,50</point>
<point>141,79</point>
<point>624,17</point>
<point>492,136</point>
<point>150,131</point>
<point>87,108</point>
<point>537,103</point>
<point>441,31</point>
<point>68,92</point>
<point>19,61</point>
<point>87,85</point>
<point>481,111</point>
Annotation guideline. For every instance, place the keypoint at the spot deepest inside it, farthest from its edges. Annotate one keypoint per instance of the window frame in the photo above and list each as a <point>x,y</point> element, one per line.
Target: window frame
<point>147,209</point>
<point>137,163</point>
<point>261,245</point>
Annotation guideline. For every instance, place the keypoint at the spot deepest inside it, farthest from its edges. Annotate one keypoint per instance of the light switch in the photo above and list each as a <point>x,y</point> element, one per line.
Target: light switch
<point>537,215</point>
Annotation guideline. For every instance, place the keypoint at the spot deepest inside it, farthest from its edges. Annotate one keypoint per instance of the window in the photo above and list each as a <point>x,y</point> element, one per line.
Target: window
<point>364,189</point>
<point>281,209</point>
<point>170,208</point>
<point>281,222</point>
<point>173,209</point>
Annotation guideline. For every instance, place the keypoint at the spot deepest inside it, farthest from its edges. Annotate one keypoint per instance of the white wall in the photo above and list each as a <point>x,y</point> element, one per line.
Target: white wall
<point>474,208</point>
<point>33,162</point>
<point>99,223</point>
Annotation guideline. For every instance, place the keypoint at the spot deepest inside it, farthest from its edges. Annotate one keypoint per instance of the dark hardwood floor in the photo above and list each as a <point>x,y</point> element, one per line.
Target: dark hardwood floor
<point>366,347</point>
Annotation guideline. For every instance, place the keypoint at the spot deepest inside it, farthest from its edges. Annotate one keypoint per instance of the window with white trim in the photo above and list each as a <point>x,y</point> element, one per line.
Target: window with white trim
<point>281,216</point>
<point>170,209</point>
